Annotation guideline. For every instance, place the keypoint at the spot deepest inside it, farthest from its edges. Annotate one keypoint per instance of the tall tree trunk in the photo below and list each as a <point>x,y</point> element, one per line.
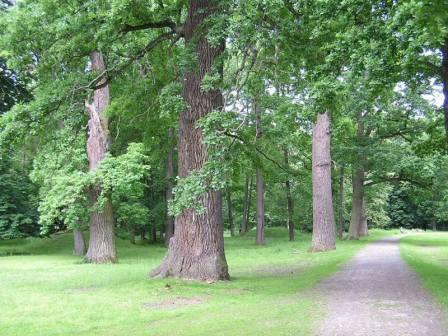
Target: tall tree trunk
<point>101,227</point>
<point>445,83</point>
<point>363,227</point>
<point>196,251</point>
<point>357,202</point>
<point>244,221</point>
<point>324,229</point>
<point>79,247</point>
<point>356,219</point>
<point>143,235</point>
<point>259,240</point>
<point>260,209</point>
<point>230,211</point>
<point>132,234</point>
<point>289,200</point>
<point>153,233</point>
<point>169,224</point>
<point>249,202</point>
<point>341,202</point>
<point>434,224</point>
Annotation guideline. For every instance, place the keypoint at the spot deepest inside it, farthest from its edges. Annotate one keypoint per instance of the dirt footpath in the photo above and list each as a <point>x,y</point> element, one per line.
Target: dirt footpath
<point>377,294</point>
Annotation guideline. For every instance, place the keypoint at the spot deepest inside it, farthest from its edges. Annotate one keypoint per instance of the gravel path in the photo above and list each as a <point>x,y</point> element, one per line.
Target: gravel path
<point>377,294</point>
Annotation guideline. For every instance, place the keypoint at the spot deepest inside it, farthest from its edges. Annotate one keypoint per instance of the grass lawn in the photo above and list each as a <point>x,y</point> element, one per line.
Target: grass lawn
<point>46,291</point>
<point>427,254</point>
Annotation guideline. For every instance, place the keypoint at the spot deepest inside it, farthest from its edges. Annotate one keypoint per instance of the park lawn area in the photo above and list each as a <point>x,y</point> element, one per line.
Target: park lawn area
<point>427,254</point>
<point>46,291</point>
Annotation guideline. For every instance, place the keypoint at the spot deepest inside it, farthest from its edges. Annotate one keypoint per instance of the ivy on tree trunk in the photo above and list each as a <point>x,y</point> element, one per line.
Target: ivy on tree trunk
<point>196,251</point>
<point>101,227</point>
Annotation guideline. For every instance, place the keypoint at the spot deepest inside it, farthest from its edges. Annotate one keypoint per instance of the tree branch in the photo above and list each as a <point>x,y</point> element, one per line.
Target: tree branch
<point>178,29</point>
<point>160,24</point>
<point>266,156</point>
<point>384,179</point>
<point>109,74</point>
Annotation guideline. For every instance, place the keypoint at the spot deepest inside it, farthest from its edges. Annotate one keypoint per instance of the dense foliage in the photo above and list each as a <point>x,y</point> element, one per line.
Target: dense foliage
<point>374,65</point>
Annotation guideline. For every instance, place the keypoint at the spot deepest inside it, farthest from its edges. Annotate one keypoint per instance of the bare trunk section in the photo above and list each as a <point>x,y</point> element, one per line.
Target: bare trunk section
<point>230,211</point>
<point>196,251</point>
<point>79,247</point>
<point>357,202</point>
<point>324,230</point>
<point>169,224</point>
<point>341,228</point>
<point>246,201</point>
<point>249,202</point>
<point>289,200</point>
<point>132,234</point>
<point>445,83</point>
<point>358,175</point>
<point>434,224</point>
<point>363,227</point>
<point>153,233</point>
<point>259,240</point>
<point>101,228</point>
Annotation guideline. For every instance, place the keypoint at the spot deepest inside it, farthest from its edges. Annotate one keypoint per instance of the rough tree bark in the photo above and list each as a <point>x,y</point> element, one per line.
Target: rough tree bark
<point>79,246</point>
<point>101,227</point>
<point>259,239</point>
<point>445,83</point>
<point>230,211</point>
<point>324,229</point>
<point>363,226</point>
<point>245,219</point>
<point>357,202</point>
<point>196,251</point>
<point>358,219</point>
<point>289,200</point>
<point>341,227</point>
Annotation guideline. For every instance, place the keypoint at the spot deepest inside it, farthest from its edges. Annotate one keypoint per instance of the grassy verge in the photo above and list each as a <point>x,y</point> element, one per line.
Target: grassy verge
<point>46,291</point>
<point>427,254</point>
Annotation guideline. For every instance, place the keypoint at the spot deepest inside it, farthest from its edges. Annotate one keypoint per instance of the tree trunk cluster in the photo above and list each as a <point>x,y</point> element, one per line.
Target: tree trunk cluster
<point>358,220</point>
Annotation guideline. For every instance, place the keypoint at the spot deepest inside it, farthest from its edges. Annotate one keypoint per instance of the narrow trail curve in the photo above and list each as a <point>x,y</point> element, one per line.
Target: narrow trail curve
<point>377,294</point>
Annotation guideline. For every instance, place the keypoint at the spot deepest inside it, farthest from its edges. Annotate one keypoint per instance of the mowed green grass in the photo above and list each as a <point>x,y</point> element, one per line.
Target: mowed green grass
<point>49,292</point>
<point>427,254</point>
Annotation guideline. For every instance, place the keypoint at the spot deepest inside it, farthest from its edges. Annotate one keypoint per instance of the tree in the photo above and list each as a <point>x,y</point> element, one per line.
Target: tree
<point>358,202</point>
<point>289,200</point>
<point>341,219</point>
<point>196,250</point>
<point>102,240</point>
<point>260,240</point>
<point>324,229</point>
